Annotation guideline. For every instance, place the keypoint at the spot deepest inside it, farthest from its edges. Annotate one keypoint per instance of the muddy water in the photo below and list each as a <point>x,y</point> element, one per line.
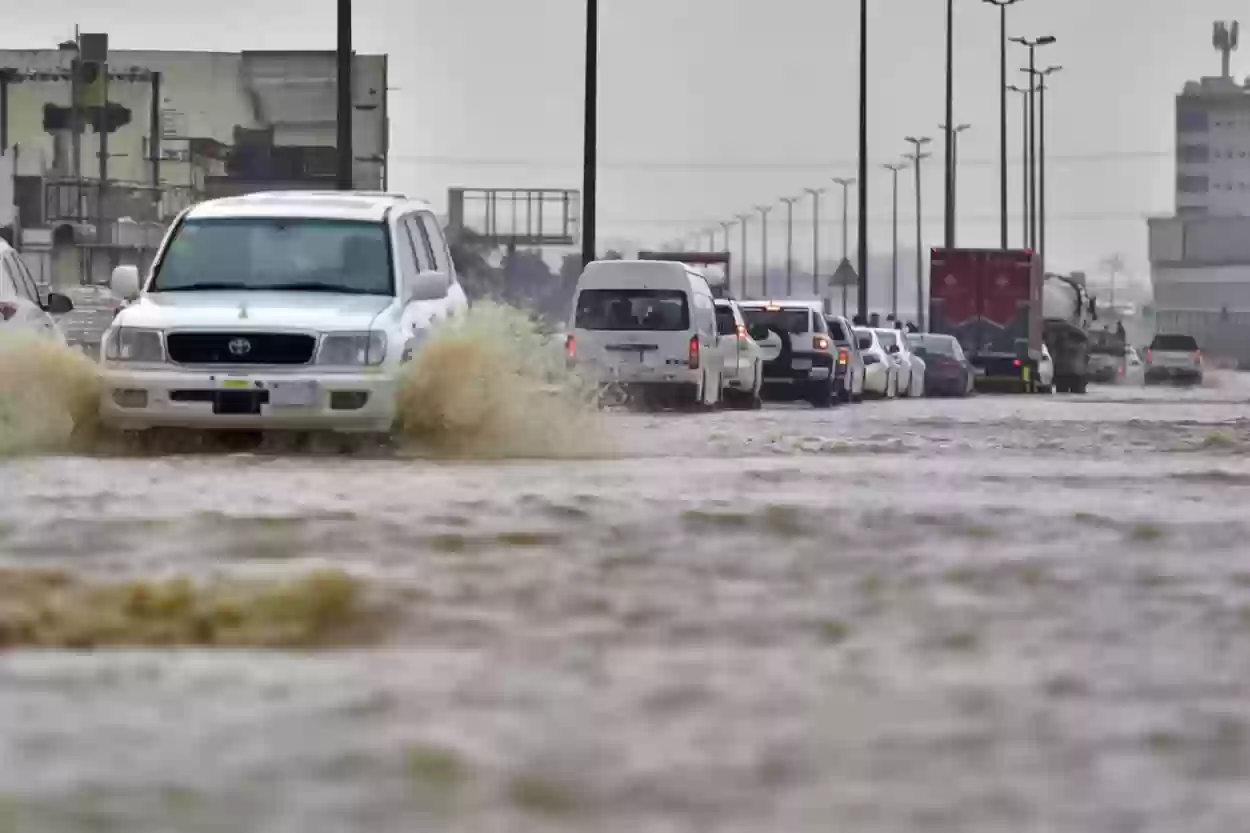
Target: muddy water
<point>985,615</point>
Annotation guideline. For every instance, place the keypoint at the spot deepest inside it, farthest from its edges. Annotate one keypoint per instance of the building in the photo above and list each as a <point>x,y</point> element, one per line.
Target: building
<point>181,127</point>
<point>1200,256</point>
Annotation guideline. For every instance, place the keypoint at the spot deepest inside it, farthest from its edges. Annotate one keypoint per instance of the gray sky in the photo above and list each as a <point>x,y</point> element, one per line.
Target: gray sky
<point>711,106</point>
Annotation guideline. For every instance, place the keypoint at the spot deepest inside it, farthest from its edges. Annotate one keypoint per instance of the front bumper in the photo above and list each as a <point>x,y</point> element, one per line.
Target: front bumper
<point>135,399</point>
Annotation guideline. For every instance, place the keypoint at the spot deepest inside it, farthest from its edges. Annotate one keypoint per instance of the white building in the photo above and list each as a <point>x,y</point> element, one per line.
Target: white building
<point>1200,257</point>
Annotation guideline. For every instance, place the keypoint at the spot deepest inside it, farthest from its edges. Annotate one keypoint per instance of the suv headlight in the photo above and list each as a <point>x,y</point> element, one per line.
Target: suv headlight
<point>352,349</point>
<point>131,344</point>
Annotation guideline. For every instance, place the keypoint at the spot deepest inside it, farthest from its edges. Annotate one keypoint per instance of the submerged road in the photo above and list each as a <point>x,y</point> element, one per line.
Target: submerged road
<point>1003,613</point>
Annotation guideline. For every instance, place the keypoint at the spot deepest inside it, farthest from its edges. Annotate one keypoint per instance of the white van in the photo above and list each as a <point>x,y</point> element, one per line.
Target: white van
<point>648,326</point>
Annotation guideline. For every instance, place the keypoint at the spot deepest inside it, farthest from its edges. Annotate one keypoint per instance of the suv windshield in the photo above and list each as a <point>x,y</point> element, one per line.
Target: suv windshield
<point>1178,343</point>
<point>267,253</point>
<point>793,321</point>
<point>837,331</point>
<point>632,309</point>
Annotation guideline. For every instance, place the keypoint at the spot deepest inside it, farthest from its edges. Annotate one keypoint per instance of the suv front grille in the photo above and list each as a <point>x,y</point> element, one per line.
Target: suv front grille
<point>248,348</point>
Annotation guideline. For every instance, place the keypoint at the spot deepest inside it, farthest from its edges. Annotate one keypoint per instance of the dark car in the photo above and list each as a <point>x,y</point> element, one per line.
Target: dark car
<point>947,370</point>
<point>849,380</point>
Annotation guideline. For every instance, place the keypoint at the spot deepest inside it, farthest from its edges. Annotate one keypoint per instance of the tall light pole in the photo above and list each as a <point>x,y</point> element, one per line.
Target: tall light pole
<point>590,141</point>
<point>954,201</point>
<point>764,212</point>
<point>725,226</point>
<point>1025,132</point>
<point>1032,45</point>
<point>343,61</point>
<point>862,288</point>
<point>742,220</point>
<point>815,194</point>
<point>789,244</point>
<point>1002,9</point>
<point>949,235</point>
<point>846,183</point>
<point>916,158</point>
<point>894,169</point>
<point>1042,75</point>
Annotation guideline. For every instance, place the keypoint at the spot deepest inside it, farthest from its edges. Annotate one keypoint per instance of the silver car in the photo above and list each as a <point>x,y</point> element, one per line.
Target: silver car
<point>1174,358</point>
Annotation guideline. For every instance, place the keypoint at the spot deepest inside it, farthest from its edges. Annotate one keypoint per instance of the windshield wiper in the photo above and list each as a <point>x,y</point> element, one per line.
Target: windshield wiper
<point>311,286</point>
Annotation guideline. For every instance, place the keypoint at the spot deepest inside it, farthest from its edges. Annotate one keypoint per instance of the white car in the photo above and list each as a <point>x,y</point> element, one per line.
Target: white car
<point>880,371</point>
<point>1045,371</point>
<point>291,310</point>
<point>744,363</point>
<point>911,367</point>
<point>21,309</point>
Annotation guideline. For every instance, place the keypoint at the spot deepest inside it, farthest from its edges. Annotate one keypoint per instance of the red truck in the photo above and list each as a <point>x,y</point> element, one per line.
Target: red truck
<point>991,301</point>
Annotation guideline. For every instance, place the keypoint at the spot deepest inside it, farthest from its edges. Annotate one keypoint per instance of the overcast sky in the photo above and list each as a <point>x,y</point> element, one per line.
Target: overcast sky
<point>709,107</point>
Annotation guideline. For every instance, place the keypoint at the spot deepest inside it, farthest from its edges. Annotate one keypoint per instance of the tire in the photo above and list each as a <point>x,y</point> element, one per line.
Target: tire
<point>1079,386</point>
<point>822,395</point>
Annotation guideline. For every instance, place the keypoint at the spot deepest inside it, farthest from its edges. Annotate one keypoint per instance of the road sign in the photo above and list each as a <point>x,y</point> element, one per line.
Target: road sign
<point>844,275</point>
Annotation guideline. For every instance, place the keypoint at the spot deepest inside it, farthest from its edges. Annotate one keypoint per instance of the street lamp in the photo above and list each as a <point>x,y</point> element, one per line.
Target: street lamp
<point>1025,132</point>
<point>790,201</point>
<point>764,211</point>
<point>815,194</point>
<point>590,141</point>
<point>894,169</point>
<point>1002,8</point>
<point>916,158</point>
<point>954,174</point>
<point>725,226</point>
<point>1042,75</point>
<point>742,220</point>
<point>1032,45</point>
<point>949,235</point>
<point>862,287</point>
<point>846,183</point>
<point>343,61</point>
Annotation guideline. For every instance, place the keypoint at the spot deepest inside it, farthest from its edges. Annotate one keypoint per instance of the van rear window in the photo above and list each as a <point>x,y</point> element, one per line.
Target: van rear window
<point>1178,343</point>
<point>632,309</point>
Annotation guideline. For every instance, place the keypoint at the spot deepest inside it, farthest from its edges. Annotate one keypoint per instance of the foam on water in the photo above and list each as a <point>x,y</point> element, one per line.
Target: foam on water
<point>49,395</point>
<point>490,383</point>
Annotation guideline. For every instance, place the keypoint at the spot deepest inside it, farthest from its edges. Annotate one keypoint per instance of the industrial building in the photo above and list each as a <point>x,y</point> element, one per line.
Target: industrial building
<point>1200,256</point>
<point>85,188</point>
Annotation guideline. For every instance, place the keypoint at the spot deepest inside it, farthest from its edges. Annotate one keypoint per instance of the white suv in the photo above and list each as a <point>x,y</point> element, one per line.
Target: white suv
<point>290,310</point>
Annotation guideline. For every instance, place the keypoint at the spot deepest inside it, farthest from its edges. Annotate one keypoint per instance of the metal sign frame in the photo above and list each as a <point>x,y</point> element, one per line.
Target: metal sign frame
<point>516,216</point>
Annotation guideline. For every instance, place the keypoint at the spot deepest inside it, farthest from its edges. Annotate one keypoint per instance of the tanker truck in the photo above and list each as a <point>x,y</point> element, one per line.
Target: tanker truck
<point>1068,313</point>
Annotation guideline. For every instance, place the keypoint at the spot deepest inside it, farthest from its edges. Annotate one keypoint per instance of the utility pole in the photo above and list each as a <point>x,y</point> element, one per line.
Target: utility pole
<point>815,194</point>
<point>846,183</point>
<point>1002,9</point>
<point>742,219</point>
<point>916,158</point>
<point>894,169</point>
<point>954,174</point>
<point>862,288</point>
<point>789,201</point>
<point>343,59</point>
<point>1025,129</point>
<point>590,141</point>
<point>949,130</point>
<point>764,210</point>
<point>1042,75</point>
<point>725,227</point>
<point>1032,45</point>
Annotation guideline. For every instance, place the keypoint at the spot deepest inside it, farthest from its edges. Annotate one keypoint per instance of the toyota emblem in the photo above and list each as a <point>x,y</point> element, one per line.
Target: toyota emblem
<point>239,347</point>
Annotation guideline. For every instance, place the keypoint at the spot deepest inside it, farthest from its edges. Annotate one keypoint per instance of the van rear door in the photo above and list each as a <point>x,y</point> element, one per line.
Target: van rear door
<point>634,329</point>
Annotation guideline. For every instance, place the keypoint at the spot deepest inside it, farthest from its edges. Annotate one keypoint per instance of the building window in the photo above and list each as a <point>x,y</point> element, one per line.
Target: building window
<point>1193,153</point>
<point>1192,184</point>
<point>1191,120</point>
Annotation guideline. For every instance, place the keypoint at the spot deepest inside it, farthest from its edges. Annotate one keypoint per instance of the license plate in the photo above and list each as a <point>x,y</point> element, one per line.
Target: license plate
<point>236,384</point>
<point>293,394</point>
<point>801,364</point>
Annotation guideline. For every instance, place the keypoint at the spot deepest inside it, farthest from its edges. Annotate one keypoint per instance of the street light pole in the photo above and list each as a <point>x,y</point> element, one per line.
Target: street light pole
<point>862,288</point>
<point>1025,129</point>
<point>725,226</point>
<point>764,211</point>
<point>742,219</point>
<point>894,169</point>
<point>916,158</point>
<point>590,142</point>
<point>789,201</point>
<point>1041,160</point>
<point>815,193</point>
<point>954,201</point>
<point>846,183</point>
<point>1032,71</point>
<point>1002,8</point>
<point>343,60</point>
<point>949,130</point>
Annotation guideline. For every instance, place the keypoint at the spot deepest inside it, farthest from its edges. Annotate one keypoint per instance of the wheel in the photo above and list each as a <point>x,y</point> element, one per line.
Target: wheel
<point>1045,389</point>
<point>1079,386</point>
<point>823,394</point>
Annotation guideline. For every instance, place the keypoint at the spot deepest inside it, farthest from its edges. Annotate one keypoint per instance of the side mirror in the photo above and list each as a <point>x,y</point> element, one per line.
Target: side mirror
<point>58,304</point>
<point>758,332</point>
<point>125,282</point>
<point>427,286</point>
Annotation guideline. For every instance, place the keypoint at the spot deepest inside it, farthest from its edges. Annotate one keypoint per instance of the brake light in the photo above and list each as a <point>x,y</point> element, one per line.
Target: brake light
<point>1197,355</point>
<point>7,310</point>
<point>1150,355</point>
<point>821,343</point>
<point>742,331</point>
<point>570,346</point>
<point>694,353</point>
<point>843,355</point>
<point>1016,362</point>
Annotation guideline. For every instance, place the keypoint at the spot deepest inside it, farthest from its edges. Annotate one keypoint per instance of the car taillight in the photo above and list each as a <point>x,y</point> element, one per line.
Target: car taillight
<point>821,343</point>
<point>843,355</point>
<point>1197,355</point>
<point>570,346</point>
<point>7,310</point>
<point>1150,355</point>
<point>694,353</point>
<point>1016,362</point>
<point>742,331</point>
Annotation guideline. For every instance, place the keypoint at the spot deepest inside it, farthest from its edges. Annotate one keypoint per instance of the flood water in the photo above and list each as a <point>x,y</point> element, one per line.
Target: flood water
<point>1002,613</point>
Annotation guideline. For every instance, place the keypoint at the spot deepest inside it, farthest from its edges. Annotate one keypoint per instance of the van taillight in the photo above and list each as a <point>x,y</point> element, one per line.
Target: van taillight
<point>7,311</point>
<point>694,353</point>
<point>843,355</point>
<point>570,346</point>
<point>822,343</point>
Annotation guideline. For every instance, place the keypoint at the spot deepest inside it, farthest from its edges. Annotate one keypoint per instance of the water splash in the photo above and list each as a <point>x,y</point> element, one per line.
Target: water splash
<point>49,396</point>
<point>491,383</point>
